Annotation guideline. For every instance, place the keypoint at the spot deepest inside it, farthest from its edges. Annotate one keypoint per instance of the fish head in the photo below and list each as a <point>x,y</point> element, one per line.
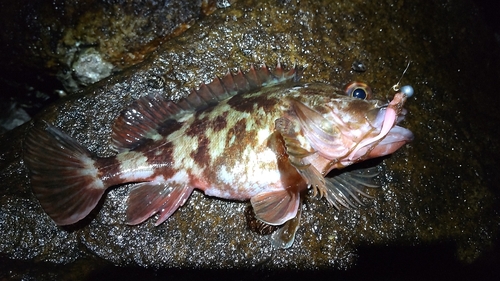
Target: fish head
<point>345,128</point>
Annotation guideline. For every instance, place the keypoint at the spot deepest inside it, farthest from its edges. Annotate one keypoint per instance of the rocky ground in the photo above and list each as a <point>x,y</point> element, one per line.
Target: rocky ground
<point>439,195</point>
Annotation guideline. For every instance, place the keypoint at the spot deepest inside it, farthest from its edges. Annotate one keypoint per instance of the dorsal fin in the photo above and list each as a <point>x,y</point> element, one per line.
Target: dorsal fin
<point>232,84</point>
<point>141,121</point>
<point>145,115</point>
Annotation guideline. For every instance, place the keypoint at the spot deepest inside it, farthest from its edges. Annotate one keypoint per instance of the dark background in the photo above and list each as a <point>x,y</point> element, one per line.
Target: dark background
<point>405,262</point>
<point>490,12</point>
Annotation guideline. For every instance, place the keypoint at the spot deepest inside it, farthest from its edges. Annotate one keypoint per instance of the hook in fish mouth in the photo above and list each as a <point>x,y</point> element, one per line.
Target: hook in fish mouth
<point>376,116</point>
<point>390,137</point>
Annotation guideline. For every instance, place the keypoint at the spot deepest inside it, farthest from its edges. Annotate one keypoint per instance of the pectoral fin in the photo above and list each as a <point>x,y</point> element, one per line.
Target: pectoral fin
<point>296,153</point>
<point>277,207</point>
<point>343,189</point>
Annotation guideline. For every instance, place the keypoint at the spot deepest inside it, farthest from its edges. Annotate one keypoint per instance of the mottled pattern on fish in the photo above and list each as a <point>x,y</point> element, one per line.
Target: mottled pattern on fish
<point>261,135</point>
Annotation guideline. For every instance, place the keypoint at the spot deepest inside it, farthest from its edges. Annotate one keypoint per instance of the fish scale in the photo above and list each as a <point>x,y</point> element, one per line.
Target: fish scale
<point>261,136</point>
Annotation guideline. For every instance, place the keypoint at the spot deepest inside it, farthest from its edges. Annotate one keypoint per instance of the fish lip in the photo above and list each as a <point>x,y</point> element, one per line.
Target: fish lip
<point>386,136</point>
<point>376,116</point>
<point>397,134</point>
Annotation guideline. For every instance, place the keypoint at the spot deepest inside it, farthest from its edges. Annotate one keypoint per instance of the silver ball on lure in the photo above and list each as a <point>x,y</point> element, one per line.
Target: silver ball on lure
<point>407,90</point>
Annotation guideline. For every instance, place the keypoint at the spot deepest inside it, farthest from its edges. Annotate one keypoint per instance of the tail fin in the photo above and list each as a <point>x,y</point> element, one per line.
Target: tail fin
<point>63,175</point>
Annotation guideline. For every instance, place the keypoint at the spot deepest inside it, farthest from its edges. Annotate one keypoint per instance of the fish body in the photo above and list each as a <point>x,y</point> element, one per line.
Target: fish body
<point>261,136</point>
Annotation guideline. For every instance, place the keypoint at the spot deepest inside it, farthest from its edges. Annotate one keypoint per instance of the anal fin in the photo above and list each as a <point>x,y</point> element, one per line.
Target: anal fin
<point>148,198</point>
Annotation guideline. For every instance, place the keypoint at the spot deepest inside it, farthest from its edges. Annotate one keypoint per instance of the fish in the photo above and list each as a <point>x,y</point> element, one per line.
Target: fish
<point>261,135</point>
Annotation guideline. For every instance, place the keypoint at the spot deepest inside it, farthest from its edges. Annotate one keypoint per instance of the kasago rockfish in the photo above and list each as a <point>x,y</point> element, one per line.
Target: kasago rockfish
<point>260,135</point>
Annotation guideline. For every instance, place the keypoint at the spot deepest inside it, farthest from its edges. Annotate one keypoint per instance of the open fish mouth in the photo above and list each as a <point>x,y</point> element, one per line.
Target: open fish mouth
<point>388,137</point>
<point>396,138</point>
<point>397,133</point>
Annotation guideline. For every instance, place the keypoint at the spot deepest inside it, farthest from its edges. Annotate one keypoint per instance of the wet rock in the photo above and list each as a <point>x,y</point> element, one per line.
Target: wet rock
<point>53,48</point>
<point>55,35</point>
<point>15,116</point>
<point>441,187</point>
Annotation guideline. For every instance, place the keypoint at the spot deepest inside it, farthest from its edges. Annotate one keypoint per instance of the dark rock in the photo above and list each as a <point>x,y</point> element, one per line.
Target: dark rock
<point>440,188</point>
<point>56,35</point>
<point>54,48</point>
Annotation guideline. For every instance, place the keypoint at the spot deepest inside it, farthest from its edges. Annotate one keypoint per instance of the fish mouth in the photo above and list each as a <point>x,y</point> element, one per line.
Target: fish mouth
<point>396,138</point>
<point>376,116</point>
<point>397,133</point>
<point>390,137</point>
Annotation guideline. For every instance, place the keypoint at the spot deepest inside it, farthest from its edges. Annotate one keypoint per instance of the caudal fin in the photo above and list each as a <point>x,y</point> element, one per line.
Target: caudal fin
<point>62,173</point>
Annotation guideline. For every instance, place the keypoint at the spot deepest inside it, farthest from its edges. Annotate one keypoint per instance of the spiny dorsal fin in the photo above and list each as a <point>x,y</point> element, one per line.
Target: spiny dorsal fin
<point>141,120</point>
<point>145,115</point>
<point>232,84</point>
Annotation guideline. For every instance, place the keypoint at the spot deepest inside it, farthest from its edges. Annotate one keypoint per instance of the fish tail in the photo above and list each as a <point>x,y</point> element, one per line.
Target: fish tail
<point>63,174</point>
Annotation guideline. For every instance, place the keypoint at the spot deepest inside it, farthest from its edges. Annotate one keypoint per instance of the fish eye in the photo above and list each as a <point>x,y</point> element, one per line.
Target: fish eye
<point>358,90</point>
<point>359,93</point>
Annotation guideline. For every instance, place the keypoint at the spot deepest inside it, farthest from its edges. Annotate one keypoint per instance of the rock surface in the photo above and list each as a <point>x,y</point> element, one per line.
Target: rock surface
<point>53,48</point>
<point>441,187</point>
<point>75,39</point>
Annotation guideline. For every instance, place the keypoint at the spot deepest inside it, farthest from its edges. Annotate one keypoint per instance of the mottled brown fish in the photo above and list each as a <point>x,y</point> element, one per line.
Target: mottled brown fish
<point>259,135</point>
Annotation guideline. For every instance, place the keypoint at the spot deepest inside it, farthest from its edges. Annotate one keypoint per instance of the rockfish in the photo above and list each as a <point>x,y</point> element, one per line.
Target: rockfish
<point>261,136</point>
